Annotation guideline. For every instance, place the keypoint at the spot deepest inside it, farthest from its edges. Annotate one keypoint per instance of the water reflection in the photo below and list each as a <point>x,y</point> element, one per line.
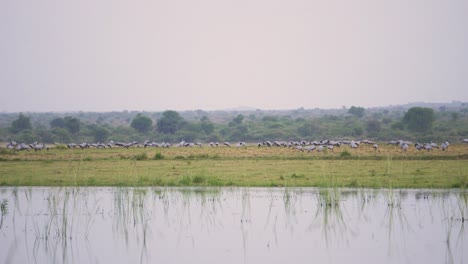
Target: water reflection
<point>231,225</point>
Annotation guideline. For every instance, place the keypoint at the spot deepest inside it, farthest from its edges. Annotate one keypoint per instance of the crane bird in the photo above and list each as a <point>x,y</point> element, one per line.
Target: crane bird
<point>375,146</point>
<point>241,144</point>
<point>310,148</point>
<point>427,147</point>
<point>444,146</point>
<point>38,147</point>
<point>404,147</point>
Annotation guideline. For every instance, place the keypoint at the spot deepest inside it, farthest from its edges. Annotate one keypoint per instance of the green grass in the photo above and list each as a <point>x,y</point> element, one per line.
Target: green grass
<point>235,167</point>
<point>337,173</point>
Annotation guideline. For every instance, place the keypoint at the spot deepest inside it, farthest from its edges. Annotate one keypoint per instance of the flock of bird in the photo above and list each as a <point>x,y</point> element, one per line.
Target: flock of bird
<point>303,145</point>
<point>22,146</point>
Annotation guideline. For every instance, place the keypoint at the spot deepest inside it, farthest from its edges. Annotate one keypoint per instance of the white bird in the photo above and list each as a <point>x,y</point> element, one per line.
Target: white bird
<point>444,146</point>
<point>404,147</point>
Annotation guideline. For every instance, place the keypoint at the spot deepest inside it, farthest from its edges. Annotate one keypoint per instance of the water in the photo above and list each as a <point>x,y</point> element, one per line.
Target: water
<point>232,225</point>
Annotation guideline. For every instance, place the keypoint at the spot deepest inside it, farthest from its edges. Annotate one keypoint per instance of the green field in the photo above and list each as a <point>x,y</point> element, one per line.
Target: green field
<point>251,166</point>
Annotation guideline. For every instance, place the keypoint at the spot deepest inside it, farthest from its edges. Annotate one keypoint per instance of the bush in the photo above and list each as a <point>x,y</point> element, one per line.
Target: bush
<point>345,154</point>
<point>185,181</point>
<point>158,156</point>
<point>198,180</point>
<point>60,146</point>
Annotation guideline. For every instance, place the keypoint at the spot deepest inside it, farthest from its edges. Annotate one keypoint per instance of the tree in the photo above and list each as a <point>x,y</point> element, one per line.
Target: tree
<point>20,124</point>
<point>58,122</point>
<point>357,131</point>
<point>419,119</point>
<point>206,125</point>
<point>72,124</point>
<point>373,127</point>
<point>170,122</point>
<point>236,121</point>
<point>309,129</point>
<point>141,123</point>
<point>100,134</point>
<point>356,111</point>
<point>61,135</point>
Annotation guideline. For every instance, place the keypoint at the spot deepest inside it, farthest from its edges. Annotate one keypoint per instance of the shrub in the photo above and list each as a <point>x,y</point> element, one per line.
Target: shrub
<point>185,181</point>
<point>345,154</point>
<point>198,180</point>
<point>141,156</point>
<point>60,146</point>
<point>158,156</point>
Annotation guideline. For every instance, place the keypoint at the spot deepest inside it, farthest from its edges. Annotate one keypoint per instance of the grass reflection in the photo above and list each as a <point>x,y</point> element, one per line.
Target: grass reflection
<point>329,208</point>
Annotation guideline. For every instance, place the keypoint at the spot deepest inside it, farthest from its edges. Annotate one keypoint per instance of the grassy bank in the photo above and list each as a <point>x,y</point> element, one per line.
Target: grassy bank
<point>236,167</point>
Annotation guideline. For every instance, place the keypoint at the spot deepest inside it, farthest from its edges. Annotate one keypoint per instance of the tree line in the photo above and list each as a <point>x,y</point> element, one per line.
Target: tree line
<point>417,123</point>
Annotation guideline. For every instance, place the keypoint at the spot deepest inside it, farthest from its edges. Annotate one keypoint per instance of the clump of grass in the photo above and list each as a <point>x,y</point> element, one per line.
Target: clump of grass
<point>91,181</point>
<point>185,181</point>
<point>142,180</point>
<point>60,146</point>
<point>198,180</point>
<point>87,159</point>
<point>123,157</point>
<point>7,152</point>
<point>345,154</point>
<point>214,182</point>
<point>179,157</point>
<point>141,156</point>
<point>230,183</point>
<point>419,172</point>
<point>158,156</point>
<point>157,182</point>
<point>296,176</point>
<point>462,182</point>
<point>353,184</point>
<point>170,184</point>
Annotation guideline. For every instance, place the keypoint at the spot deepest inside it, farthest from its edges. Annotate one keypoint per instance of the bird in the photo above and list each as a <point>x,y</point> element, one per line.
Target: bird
<point>404,147</point>
<point>444,146</point>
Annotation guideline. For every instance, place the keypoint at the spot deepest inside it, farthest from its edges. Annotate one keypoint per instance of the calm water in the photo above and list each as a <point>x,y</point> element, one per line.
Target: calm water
<point>232,225</point>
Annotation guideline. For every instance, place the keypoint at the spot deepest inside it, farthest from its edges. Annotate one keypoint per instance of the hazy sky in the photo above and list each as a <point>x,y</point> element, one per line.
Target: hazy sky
<point>102,55</point>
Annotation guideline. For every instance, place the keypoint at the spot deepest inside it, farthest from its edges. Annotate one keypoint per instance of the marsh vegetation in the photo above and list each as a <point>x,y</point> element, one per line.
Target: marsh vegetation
<point>389,167</point>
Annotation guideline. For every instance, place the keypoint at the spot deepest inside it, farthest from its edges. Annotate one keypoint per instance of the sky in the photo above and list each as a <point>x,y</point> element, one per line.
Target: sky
<point>154,55</point>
